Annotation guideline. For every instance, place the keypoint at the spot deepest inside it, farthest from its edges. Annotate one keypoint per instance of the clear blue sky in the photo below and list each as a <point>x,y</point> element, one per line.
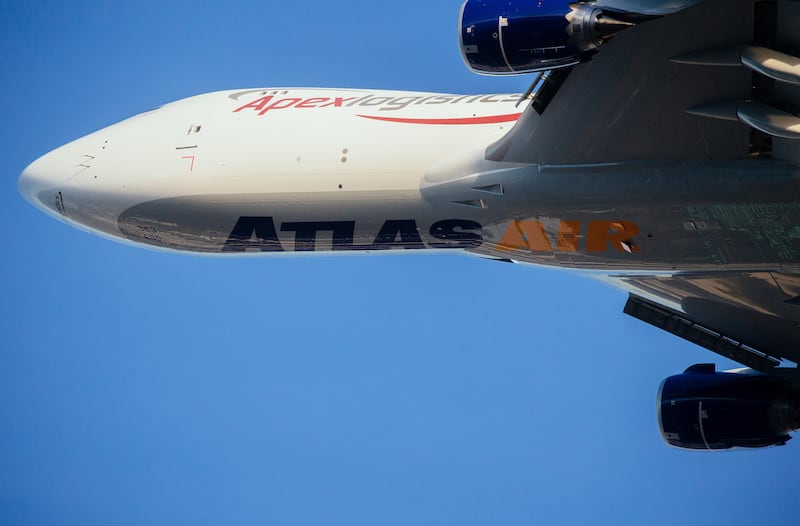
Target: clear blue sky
<point>139,387</point>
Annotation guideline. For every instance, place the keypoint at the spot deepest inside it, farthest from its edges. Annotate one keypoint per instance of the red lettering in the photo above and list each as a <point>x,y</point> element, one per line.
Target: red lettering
<point>280,104</point>
<point>311,103</point>
<point>256,105</point>
<point>337,102</point>
<point>263,105</point>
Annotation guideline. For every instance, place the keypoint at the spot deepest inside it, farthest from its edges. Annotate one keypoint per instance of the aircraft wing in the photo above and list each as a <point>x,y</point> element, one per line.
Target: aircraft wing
<point>750,317</point>
<point>660,91</point>
<point>629,101</point>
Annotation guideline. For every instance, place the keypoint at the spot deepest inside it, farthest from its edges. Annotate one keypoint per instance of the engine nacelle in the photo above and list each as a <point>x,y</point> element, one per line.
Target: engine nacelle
<point>507,37</point>
<point>707,410</point>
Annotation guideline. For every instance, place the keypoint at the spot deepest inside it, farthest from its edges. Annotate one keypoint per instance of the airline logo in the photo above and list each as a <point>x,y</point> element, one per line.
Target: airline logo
<point>260,234</point>
<point>275,101</point>
<point>531,235</point>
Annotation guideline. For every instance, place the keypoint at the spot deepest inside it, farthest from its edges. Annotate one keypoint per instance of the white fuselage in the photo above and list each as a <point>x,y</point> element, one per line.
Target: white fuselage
<point>339,170</point>
<point>306,154</point>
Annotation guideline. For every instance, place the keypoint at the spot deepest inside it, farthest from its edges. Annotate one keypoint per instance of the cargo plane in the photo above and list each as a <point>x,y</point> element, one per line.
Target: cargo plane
<point>657,147</point>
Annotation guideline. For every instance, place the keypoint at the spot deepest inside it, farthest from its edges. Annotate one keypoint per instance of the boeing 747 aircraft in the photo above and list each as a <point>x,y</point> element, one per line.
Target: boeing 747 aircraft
<point>657,147</point>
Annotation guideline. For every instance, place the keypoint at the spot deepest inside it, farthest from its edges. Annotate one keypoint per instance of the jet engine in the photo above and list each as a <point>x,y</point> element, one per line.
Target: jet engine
<point>707,410</point>
<point>508,37</point>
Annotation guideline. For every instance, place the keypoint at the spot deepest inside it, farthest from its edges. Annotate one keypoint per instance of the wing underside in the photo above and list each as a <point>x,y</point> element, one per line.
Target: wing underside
<point>750,317</point>
<point>714,80</point>
<point>640,98</point>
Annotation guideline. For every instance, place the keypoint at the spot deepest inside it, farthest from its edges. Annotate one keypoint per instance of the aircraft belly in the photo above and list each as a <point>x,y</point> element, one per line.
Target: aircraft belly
<point>291,222</point>
<point>634,216</point>
<point>691,237</point>
<point>739,215</point>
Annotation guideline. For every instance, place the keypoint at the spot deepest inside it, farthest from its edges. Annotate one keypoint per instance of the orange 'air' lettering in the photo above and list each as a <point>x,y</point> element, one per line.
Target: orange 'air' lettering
<point>522,235</point>
<point>618,233</point>
<point>569,233</point>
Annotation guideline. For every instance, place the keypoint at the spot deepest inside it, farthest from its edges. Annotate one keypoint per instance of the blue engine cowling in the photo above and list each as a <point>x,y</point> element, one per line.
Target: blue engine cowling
<point>508,37</point>
<point>706,410</point>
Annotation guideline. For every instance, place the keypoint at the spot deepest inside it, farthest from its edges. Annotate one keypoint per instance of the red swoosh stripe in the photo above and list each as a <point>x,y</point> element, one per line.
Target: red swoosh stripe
<point>491,119</point>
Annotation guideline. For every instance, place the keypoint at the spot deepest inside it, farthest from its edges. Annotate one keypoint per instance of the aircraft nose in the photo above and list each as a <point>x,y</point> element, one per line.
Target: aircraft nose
<point>42,181</point>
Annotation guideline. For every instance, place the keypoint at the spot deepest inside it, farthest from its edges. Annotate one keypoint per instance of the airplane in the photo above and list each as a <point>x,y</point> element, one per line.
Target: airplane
<point>658,146</point>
